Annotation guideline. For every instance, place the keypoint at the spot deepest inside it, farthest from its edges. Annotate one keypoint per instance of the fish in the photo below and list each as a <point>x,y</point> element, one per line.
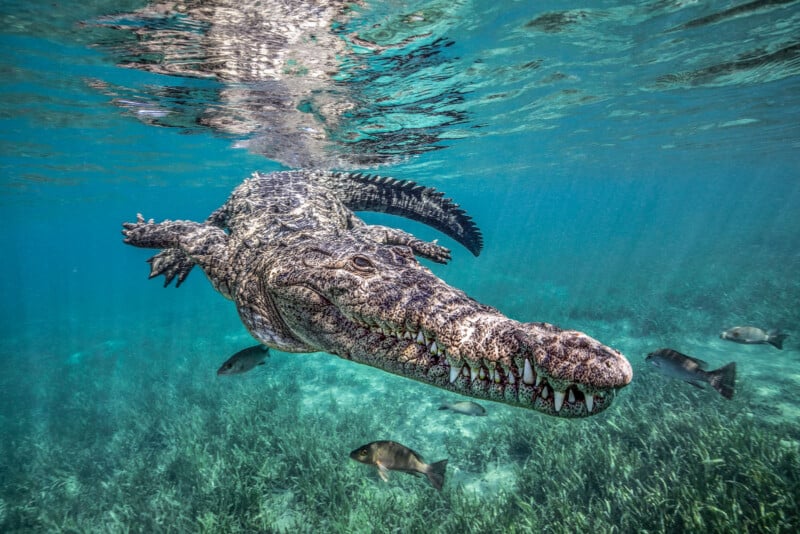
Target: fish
<point>753,336</point>
<point>244,360</point>
<point>464,407</point>
<point>392,456</point>
<point>692,370</point>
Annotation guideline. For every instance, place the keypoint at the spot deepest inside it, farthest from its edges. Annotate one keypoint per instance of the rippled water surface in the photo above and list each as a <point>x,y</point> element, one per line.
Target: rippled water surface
<point>633,167</point>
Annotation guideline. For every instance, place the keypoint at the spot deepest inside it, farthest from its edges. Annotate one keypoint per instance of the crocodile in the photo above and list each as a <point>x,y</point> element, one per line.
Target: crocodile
<point>308,275</point>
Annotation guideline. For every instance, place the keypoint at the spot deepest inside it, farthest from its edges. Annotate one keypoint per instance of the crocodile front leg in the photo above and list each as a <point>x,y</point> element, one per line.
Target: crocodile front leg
<point>183,242</point>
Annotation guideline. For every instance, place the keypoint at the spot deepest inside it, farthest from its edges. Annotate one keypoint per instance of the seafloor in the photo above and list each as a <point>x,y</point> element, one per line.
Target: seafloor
<point>140,435</point>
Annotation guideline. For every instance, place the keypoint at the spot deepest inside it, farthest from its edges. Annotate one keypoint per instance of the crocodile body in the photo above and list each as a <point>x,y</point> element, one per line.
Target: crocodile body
<point>307,275</point>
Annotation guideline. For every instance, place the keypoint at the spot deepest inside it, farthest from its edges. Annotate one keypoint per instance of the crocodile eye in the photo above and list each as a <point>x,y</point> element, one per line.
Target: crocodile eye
<point>362,263</point>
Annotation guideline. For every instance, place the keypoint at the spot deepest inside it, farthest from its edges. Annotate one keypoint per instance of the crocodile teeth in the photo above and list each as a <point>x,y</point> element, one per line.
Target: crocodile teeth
<point>527,374</point>
<point>589,403</point>
<point>559,398</point>
<point>511,378</point>
<point>571,397</point>
<point>433,348</point>
<point>420,338</point>
<point>454,372</point>
<point>482,374</point>
<point>545,392</point>
<point>472,374</point>
<point>538,380</point>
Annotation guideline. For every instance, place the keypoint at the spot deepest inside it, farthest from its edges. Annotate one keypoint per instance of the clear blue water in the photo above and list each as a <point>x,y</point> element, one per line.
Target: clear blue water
<point>634,170</point>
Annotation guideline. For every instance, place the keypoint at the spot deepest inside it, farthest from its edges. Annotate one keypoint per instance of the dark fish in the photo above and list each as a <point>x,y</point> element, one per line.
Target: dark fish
<point>392,456</point>
<point>464,407</point>
<point>753,336</point>
<point>244,360</point>
<point>692,370</point>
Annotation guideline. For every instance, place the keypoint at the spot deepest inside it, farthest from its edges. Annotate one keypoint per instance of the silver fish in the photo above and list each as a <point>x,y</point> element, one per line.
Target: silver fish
<point>392,456</point>
<point>464,407</point>
<point>244,360</point>
<point>753,336</point>
<point>692,370</point>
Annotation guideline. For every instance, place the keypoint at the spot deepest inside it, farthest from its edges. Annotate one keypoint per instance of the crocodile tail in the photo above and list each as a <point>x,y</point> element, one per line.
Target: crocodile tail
<point>364,192</point>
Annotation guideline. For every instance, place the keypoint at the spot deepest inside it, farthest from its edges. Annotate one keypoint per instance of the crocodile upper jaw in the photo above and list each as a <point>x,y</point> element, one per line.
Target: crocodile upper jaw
<point>535,365</point>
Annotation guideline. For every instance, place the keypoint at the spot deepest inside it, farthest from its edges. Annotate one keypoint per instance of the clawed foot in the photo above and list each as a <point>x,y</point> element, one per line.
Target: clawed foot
<point>136,233</point>
<point>171,262</point>
<point>431,251</point>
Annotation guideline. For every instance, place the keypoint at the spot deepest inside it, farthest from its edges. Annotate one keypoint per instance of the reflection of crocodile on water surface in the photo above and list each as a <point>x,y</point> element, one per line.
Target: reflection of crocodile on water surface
<point>286,81</point>
<point>307,275</point>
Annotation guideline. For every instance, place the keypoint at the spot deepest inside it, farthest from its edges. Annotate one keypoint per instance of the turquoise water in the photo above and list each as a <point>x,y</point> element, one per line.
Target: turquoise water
<point>633,170</point>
